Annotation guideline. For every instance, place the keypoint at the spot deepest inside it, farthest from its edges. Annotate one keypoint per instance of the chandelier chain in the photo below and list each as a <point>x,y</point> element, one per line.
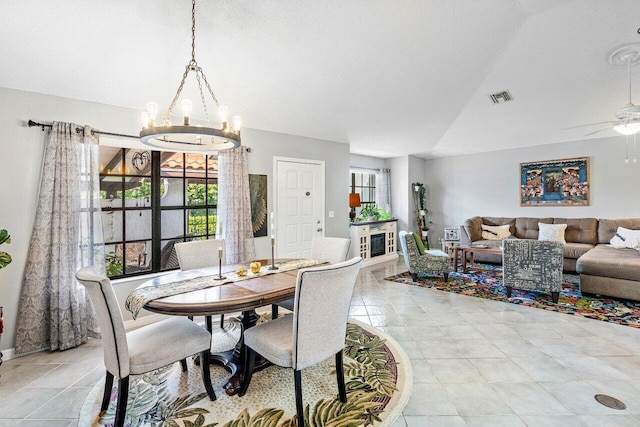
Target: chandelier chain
<point>209,87</point>
<point>204,104</point>
<point>167,115</point>
<point>193,31</point>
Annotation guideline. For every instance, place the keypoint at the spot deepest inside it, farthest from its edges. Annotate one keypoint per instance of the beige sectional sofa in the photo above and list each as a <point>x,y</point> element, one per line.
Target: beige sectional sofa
<point>603,269</point>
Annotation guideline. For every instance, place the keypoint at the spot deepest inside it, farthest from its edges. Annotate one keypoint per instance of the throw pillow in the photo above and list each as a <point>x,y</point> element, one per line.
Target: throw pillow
<point>419,243</point>
<point>551,232</point>
<point>497,232</point>
<point>625,238</point>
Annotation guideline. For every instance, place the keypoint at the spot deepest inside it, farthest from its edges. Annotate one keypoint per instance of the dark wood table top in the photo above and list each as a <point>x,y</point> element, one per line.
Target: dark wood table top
<point>236,296</point>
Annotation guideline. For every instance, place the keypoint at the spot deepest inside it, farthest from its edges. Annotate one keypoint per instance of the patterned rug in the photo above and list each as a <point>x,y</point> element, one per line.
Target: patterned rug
<point>377,374</point>
<point>486,282</point>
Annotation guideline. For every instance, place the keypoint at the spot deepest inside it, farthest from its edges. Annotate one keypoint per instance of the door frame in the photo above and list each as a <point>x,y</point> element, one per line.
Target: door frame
<point>276,210</point>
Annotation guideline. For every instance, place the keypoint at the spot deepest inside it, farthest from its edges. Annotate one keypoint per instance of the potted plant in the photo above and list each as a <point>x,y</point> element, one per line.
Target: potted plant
<point>5,258</point>
<point>425,232</point>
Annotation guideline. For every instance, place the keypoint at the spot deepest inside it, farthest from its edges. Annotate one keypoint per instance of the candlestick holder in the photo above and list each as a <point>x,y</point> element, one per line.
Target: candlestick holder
<point>220,276</point>
<point>273,263</point>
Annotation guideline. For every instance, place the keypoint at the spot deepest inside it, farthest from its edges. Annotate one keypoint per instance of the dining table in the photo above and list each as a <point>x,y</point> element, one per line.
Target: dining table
<point>221,290</point>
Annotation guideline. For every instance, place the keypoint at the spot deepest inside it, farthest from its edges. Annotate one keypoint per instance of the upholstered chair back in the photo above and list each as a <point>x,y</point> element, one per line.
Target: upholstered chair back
<point>330,249</point>
<point>322,301</point>
<point>114,337</point>
<point>200,253</point>
<point>409,247</point>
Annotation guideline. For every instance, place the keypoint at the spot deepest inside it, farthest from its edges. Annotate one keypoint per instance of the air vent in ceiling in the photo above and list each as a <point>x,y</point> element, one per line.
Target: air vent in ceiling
<point>501,97</point>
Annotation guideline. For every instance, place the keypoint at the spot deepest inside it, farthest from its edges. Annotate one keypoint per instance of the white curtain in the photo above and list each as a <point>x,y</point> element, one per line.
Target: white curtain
<point>234,205</point>
<point>383,189</point>
<point>55,313</point>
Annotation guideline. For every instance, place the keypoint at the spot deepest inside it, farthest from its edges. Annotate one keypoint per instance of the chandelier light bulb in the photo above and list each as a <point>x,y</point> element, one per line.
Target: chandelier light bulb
<point>237,123</point>
<point>187,106</point>
<point>152,109</point>
<point>144,118</point>
<point>223,111</point>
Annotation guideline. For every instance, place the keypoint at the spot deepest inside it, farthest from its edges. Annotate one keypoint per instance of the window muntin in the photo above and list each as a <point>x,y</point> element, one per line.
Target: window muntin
<point>150,201</point>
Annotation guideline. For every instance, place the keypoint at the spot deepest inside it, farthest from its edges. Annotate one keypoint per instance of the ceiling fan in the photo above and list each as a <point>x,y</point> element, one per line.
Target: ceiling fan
<point>628,117</point>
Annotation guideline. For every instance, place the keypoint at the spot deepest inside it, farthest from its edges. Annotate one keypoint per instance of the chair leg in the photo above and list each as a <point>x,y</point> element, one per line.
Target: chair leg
<point>555,296</point>
<point>297,377</point>
<point>222,321</point>
<point>274,311</point>
<point>106,397</point>
<point>509,291</point>
<point>206,374</point>
<point>208,321</point>
<point>183,363</point>
<point>414,277</point>
<point>342,391</point>
<point>121,408</point>
<point>446,277</point>
<point>249,362</point>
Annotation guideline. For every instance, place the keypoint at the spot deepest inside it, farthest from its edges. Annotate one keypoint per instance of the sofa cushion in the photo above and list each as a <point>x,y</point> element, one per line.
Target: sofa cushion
<point>580,230</point>
<point>576,250</point>
<point>603,260</point>
<point>473,228</point>
<point>552,232</point>
<point>607,227</point>
<point>527,228</point>
<point>625,238</point>
<point>495,232</point>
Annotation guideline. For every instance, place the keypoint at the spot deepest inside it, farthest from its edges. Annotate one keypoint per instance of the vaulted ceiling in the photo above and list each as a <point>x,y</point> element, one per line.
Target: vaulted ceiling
<point>389,77</point>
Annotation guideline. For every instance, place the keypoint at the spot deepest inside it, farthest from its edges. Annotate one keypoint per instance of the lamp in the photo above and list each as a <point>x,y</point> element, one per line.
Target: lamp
<point>628,127</point>
<point>187,137</point>
<point>354,202</point>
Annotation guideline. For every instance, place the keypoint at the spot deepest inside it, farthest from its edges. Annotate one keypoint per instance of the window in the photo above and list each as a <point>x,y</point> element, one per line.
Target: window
<point>364,183</point>
<point>152,200</point>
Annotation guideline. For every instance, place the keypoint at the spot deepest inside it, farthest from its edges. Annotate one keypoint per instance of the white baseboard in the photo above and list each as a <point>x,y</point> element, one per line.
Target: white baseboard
<point>8,354</point>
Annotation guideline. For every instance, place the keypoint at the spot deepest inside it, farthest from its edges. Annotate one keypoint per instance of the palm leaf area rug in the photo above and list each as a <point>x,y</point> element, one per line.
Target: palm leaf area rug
<point>377,374</point>
<point>486,282</point>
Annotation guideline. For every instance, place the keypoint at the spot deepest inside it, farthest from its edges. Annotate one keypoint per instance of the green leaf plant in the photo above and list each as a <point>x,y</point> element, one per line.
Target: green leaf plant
<point>5,258</point>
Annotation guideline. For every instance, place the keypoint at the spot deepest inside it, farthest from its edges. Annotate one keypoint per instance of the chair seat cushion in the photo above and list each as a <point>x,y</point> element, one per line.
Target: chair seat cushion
<point>162,343</point>
<point>273,340</point>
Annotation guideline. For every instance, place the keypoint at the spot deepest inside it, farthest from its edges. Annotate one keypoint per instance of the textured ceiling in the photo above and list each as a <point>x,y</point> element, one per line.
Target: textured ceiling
<point>390,77</point>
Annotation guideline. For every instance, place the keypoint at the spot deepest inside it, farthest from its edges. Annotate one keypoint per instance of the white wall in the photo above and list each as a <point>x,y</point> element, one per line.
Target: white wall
<point>487,184</point>
<point>21,150</point>
<point>366,162</point>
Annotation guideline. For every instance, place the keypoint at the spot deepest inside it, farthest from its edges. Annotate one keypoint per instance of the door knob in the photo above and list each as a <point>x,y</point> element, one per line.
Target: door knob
<point>319,229</point>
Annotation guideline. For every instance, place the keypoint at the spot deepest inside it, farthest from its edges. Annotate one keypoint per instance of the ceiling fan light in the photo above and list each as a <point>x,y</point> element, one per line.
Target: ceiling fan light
<point>628,128</point>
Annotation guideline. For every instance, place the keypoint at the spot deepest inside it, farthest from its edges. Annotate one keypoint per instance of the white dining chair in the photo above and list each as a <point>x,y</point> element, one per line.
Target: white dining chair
<point>315,331</point>
<point>327,249</point>
<point>199,254</point>
<point>142,350</point>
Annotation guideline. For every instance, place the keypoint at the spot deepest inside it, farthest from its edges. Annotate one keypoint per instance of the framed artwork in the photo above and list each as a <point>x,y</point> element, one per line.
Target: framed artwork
<point>562,182</point>
<point>451,234</point>
<point>258,198</point>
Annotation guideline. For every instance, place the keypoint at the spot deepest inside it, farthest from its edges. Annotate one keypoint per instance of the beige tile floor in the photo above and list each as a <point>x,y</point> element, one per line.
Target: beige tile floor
<point>475,363</point>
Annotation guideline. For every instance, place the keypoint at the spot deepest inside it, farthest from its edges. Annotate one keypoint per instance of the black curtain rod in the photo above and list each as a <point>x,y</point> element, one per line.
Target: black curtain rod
<point>93,132</point>
<point>81,130</point>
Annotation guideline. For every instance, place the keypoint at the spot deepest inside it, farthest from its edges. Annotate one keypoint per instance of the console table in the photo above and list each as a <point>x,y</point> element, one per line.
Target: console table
<point>374,241</point>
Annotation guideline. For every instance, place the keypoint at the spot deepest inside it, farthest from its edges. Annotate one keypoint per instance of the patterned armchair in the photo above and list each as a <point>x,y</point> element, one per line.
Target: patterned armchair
<point>433,261</point>
<point>533,265</point>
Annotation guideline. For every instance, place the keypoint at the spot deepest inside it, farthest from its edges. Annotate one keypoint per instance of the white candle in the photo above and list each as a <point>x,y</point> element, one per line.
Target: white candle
<point>220,244</point>
<point>273,236</point>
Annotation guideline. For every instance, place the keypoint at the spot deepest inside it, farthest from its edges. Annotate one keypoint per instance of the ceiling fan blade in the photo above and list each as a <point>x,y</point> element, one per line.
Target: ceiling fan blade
<point>610,122</point>
<point>601,129</point>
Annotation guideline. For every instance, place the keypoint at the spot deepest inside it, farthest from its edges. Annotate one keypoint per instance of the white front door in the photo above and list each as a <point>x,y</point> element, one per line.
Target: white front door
<point>299,205</point>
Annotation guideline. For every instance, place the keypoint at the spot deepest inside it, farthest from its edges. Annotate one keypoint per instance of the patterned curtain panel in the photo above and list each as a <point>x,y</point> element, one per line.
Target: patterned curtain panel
<point>234,206</point>
<point>383,189</point>
<point>55,313</point>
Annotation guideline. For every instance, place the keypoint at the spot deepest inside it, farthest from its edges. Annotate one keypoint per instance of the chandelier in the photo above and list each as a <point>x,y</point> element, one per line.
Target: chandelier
<point>187,137</point>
